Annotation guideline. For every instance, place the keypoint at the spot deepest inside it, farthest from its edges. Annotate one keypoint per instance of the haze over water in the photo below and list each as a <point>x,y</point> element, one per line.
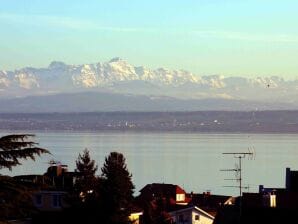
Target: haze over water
<point>190,160</point>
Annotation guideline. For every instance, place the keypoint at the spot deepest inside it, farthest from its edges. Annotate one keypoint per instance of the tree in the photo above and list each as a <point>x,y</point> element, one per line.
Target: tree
<point>16,199</point>
<point>87,180</point>
<point>84,200</point>
<point>85,165</point>
<point>16,147</point>
<point>155,210</point>
<point>117,189</point>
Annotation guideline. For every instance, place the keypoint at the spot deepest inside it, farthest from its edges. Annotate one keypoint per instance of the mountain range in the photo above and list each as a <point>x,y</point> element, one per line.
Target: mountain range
<point>118,85</point>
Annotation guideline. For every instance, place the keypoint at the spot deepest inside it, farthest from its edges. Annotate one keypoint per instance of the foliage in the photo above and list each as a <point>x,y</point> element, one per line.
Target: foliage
<point>86,169</point>
<point>155,211</point>
<point>15,199</point>
<point>117,189</point>
<point>84,199</point>
<point>85,165</point>
<point>16,147</point>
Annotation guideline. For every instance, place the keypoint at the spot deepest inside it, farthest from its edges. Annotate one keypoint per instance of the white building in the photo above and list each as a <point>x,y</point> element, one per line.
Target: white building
<point>191,215</point>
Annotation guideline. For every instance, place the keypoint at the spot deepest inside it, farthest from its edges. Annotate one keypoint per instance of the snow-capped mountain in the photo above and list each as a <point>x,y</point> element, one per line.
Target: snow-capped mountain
<point>118,76</point>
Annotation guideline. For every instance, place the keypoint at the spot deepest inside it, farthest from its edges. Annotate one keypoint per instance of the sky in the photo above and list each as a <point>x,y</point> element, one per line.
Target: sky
<point>207,37</point>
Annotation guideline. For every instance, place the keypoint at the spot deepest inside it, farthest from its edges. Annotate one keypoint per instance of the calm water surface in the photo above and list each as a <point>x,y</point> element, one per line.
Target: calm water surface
<point>192,161</point>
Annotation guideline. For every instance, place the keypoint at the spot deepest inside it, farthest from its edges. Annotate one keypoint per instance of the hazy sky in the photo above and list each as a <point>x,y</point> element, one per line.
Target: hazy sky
<point>228,37</point>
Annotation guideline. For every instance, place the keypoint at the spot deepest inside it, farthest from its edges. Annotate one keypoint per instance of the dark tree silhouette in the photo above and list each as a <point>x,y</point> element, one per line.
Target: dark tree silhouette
<point>117,189</point>
<point>85,165</point>
<point>16,198</point>
<point>155,211</point>
<point>84,199</point>
<point>87,181</point>
<point>16,147</point>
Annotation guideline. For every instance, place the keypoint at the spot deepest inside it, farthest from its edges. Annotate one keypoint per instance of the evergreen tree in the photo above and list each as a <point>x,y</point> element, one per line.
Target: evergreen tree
<point>85,165</point>
<point>16,147</point>
<point>16,198</point>
<point>117,189</point>
<point>84,199</point>
<point>87,181</point>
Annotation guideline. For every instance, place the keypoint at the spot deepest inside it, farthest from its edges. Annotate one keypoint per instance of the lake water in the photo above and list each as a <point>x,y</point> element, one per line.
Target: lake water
<point>190,160</point>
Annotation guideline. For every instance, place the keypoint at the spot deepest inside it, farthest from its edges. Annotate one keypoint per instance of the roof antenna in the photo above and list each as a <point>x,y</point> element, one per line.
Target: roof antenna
<point>238,167</point>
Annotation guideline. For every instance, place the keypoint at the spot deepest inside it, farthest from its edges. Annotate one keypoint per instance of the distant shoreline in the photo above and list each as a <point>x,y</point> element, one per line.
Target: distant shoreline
<point>33,131</point>
<point>222,122</point>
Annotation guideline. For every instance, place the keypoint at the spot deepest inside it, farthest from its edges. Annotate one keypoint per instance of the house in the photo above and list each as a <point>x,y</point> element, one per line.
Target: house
<point>191,215</point>
<point>57,177</point>
<point>245,214</point>
<point>269,205</point>
<point>283,198</point>
<point>291,180</point>
<point>290,186</point>
<point>207,201</point>
<point>174,194</point>
<point>51,188</point>
<point>49,201</point>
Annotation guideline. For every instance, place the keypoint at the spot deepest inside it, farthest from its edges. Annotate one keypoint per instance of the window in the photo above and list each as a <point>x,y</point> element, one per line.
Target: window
<point>57,201</point>
<point>180,218</point>
<point>273,201</point>
<point>180,197</point>
<point>197,217</point>
<point>38,200</point>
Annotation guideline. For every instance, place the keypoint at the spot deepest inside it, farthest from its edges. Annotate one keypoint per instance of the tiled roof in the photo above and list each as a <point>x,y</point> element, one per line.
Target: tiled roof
<point>161,188</point>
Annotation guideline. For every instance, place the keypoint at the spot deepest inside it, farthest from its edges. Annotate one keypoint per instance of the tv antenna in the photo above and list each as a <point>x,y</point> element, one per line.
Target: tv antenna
<point>238,168</point>
<point>53,162</point>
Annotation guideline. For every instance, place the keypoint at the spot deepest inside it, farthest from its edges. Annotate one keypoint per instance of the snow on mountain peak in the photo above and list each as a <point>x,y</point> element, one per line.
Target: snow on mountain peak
<point>4,81</point>
<point>120,70</point>
<point>100,74</point>
<point>119,76</point>
<point>215,81</point>
<point>26,81</point>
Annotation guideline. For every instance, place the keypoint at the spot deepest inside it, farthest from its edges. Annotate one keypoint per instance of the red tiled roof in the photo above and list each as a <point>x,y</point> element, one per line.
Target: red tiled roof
<point>165,190</point>
<point>179,190</point>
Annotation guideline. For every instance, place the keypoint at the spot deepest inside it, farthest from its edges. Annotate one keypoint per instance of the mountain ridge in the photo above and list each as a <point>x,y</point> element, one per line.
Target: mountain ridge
<point>117,69</point>
<point>119,77</point>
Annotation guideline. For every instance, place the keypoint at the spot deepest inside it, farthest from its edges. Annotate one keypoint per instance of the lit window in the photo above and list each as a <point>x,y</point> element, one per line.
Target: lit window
<point>180,197</point>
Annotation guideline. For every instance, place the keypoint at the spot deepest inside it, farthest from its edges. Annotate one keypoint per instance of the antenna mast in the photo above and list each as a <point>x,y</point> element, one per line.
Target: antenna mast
<point>238,169</point>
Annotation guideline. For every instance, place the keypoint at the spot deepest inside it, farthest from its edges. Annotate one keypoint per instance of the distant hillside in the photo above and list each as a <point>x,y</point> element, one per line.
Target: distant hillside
<point>96,102</point>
